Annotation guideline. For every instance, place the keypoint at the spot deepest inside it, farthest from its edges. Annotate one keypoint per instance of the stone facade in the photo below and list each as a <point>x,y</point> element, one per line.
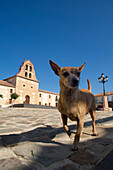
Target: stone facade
<point>48,98</point>
<point>6,89</point>
<point>26,85</point>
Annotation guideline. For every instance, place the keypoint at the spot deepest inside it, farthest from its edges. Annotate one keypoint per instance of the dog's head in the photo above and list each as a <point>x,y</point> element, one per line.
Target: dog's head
<point>69,76</point>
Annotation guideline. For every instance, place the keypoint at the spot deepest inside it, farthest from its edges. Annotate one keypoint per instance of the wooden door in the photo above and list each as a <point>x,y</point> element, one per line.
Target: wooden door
<point>27,99</point>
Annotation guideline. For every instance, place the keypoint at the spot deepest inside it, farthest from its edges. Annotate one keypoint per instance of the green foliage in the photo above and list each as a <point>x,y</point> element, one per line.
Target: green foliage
<point>14,96</point>
<point>1,95</point>
<point>24,101</point>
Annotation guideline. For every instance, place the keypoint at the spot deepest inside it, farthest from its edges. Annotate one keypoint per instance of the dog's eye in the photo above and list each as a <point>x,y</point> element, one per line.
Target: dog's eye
<point>65,74</point>
<point>78,74</point>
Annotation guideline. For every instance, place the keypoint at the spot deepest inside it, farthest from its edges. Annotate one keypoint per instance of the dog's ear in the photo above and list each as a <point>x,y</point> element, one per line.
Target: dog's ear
<point>55,67</point>
<point>81,67</point>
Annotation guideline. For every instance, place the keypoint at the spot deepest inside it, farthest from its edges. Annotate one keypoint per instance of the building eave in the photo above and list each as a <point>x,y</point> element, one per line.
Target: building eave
<point>106,94</point>
<point>45,91</point>
<point>21,77</point>
<point>28,78</point>
<point>9,78</point>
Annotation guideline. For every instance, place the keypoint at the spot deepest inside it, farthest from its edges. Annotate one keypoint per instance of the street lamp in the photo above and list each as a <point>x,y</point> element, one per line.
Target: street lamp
<point>103,79</point>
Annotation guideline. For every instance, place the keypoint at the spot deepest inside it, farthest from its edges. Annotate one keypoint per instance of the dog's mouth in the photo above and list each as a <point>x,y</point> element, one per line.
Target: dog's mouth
<point>72,85</point>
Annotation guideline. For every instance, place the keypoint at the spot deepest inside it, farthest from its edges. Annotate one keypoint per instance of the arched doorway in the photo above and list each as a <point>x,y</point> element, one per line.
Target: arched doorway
<point>27,99</point>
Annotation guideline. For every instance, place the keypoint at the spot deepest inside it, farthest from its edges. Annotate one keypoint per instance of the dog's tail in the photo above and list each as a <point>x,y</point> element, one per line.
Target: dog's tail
<point>89,85</point>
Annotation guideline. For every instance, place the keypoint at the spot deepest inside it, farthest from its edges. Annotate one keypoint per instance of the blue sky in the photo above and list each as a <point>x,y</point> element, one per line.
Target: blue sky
<point>69,32</point>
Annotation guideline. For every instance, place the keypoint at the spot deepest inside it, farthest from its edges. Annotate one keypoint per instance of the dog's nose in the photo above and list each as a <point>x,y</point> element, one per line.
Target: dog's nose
<point>75,81</point>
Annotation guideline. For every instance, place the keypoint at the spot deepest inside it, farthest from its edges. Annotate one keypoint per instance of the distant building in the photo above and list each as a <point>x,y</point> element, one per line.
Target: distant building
<point>99,97</point>
<point>6,89</point>
<point>48,98</point>
<point>26,85</point>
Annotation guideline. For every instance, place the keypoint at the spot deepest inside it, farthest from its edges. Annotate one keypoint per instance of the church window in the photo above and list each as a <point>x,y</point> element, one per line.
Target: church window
<point>30,68</point>
<point>40,95</point>
<point>10,101</point>
<point>29,75</point>
<point>11,90</point>
<point>49,96</point>
<point>56,99</point>
<point>25,74</point>
<point>26,67</point>
<point>24,85</point>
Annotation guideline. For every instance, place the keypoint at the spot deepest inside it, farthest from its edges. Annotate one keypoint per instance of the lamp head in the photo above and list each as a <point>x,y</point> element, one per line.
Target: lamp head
<point>99,79</point>
<point>102,75</point>
<point>106,78</point>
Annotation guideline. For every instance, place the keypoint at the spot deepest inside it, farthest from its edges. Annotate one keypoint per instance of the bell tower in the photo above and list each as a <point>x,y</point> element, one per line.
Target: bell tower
<point>27,84</point>
<point>27,71</point>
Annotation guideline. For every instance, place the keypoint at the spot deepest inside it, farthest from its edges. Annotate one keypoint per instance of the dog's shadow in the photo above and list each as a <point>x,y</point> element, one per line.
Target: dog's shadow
<point>44,137</point>
<point>44,134</point>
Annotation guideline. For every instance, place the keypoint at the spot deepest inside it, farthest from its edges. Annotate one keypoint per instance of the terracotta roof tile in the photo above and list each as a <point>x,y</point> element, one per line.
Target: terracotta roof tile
<point>101,94</point>
<point>5,83</point>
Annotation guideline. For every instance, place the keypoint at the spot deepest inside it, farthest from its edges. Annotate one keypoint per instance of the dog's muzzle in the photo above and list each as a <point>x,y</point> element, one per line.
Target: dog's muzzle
<point>75,82</point>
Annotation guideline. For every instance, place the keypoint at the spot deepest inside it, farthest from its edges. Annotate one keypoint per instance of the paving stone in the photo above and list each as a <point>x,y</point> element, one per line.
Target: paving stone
<point>6,153</point>
<point>3,126</point>
<point>63,138</point>
<point>96,149</point>
<point>83,157</point>
<point>39,132</point>
<point>44,153</point>
<point>110,136</point>
<point>7,130</point>
<point>103,141</point>
<point>55,126</point>
<point>106,164</point>
<point>1,123</point>
<point>67,167</point>
<point>10,140</point>
<point>27,150</point>
<point>14,164</point>
<point>2,161</point>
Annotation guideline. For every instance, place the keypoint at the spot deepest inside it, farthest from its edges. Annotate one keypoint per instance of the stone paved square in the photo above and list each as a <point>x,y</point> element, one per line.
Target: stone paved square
<point>35,139</point>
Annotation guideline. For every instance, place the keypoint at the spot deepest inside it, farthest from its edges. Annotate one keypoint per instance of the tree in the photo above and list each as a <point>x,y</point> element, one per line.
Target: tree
<point>14,96</point>
<point>1,96</point>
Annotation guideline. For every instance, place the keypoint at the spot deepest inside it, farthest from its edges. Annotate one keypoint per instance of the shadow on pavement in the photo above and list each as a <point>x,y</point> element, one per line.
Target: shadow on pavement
<point>42,134</point>
<point>42,149</point>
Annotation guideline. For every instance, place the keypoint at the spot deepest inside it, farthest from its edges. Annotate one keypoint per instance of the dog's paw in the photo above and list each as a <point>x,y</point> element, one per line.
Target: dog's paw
<point>95,134</point>
<point>72,136</point>
<point>74,148</point>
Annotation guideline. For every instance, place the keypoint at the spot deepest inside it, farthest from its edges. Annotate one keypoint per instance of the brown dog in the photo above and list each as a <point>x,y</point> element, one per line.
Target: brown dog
<point>74,103</point>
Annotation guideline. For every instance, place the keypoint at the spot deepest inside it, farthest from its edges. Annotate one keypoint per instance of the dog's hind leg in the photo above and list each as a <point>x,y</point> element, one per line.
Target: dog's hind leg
<point>64,119</point>
<point>93,116</point>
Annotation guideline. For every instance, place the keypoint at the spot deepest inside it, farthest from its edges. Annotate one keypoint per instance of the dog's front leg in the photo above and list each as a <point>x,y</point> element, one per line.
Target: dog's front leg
<point>64,119</point>
<point>80,123</point>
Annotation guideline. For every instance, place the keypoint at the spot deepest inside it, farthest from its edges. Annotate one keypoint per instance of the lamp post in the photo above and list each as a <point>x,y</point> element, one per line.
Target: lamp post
<point>103,79</point>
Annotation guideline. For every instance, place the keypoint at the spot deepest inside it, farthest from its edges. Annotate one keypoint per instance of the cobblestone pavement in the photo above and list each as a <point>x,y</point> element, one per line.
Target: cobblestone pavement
<point>33,139</point>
